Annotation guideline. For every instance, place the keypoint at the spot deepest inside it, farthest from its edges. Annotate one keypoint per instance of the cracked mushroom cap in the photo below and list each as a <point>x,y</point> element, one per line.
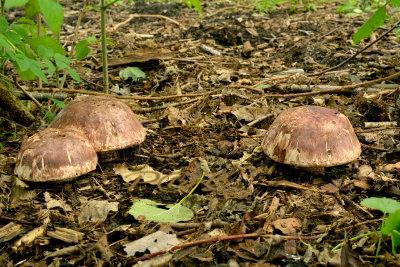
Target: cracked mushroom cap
<point>108,123</point>
<point>311,136</point>
<point>55,155</point>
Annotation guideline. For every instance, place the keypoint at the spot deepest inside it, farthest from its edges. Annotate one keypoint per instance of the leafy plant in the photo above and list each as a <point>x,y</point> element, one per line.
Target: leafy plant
<point>152,211</point>
<point>375,21</point>
<point>194,3</point>
<point>390,224</point>
<point>49,115</point>
<point>33,54</point>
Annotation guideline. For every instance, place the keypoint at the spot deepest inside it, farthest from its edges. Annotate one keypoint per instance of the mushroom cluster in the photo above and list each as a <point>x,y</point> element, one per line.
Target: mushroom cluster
<point>67,148</point>
<point>311,137</point>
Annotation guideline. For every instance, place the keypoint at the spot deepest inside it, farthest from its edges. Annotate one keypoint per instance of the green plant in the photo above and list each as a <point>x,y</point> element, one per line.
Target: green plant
<point>375,21</point>
<point>49,115</point>
<point>33,52</point>
<point>150,210</point>
<point>390,224</point>
<point>14,134</point>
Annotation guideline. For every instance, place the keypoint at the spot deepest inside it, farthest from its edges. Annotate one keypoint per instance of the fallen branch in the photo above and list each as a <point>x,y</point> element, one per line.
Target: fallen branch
<point>338,89</point>
<point>140,98</point>
<point>132,16</point>
<point>358,52</point>
<point>216,239</point>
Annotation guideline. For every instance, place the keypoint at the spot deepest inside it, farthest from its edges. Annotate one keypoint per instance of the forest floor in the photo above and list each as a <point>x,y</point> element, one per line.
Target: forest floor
<point>226,70</point>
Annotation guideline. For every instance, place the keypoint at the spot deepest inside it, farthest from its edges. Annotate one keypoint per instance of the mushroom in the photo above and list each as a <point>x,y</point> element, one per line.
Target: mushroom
<point>108,123</point>
<point>311,137</point>
<point>55,155</point>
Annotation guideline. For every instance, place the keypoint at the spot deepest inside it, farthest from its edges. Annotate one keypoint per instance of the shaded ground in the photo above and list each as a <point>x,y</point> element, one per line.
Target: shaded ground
<point>219,133</point>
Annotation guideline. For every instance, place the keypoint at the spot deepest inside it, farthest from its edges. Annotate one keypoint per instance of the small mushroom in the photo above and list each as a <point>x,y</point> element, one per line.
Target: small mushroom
<point>311,137</point>
<point>55,155</point>
<point>108,123</point>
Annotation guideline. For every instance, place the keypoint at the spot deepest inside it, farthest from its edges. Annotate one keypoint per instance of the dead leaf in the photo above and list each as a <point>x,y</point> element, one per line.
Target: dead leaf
<point>287,226</point>
<point>392,167</point>
<point>54,203</point>
<point>151,243</point>
<point>146,173</point>
<point>96,210</point>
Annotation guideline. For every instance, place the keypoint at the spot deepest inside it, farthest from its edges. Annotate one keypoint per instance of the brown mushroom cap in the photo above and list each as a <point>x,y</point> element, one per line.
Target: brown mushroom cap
<point>311,136</point>
<point>108,123</point>
<point>55,155</point>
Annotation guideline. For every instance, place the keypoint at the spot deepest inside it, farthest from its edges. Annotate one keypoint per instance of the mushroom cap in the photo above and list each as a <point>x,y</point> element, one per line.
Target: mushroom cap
<point>55,155</point>
<point>108,123</point>
<point>311,136</point>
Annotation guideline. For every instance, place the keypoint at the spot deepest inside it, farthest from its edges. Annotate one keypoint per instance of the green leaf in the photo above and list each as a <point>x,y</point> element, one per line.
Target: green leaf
<point>25,20</point>
<point>3,25</point>
<point>73,74</point>
<point>132,72</point>
<point>49,115</point>
<point>4,42</point>
<point>392,222</point>
<point>53,14</point>
<point>373,23</point>
<point>395,2</point>
<point>13,38</point>
<point>150,210</point>
<point>45,52</point>
<point>194,3</point>
<point>50,66</point>
<point>82,49</point>
<point>347,7</point>
<point>48,42</point>
<point>62,62</point>
<point>386,205</point>
<point>25,75</point>
<point>395,239</point>
<point>15,3</point>
<point>32,8</point>
<point>35,67</point>
<point>57,102</point>
<point>21,31</point>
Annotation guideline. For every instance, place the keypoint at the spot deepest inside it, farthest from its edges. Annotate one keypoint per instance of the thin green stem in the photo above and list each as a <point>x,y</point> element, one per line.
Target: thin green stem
<point>191,191</point>
<point>352,239</point>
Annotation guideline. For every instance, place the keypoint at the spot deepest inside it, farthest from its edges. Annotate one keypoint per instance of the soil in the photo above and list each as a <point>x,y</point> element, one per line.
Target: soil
<point>227,70</point>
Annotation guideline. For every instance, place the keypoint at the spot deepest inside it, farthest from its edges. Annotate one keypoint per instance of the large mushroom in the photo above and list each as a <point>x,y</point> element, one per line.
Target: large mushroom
<point>108,123</point>
<point>311,136</point>
<point>55,155</point>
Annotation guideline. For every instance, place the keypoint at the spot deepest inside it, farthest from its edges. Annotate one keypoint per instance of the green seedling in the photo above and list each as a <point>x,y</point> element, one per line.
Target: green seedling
<point>390,224</point>
<point>375,21</point>
<point>33,51</point>
<point>49,115</point>
<point>154,211</point>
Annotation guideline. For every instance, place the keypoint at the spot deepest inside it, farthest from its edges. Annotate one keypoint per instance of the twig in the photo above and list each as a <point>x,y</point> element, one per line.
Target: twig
<point>216,239</point>
<point>17,220</point>
<point>132,16</point>
<point>358,131</point>
<point>23,90</point>
<point>146,110</point>
<point>357,225</point>
<point>334,90</point>
<point>140,98</point>
<point>374,148</point>
<point>358,52</point>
